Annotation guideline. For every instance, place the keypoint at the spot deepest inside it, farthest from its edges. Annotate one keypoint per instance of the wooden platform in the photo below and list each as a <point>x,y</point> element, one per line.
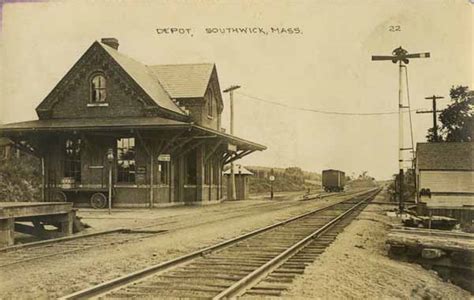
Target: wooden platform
<point>59,214</point>
<point>426,238</point>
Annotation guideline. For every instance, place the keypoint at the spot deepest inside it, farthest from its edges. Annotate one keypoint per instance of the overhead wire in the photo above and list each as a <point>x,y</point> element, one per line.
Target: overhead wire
<point>326,112</point>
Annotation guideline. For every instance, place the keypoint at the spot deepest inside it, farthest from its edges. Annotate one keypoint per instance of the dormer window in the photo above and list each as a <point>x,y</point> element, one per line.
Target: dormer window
<point>98,88</point>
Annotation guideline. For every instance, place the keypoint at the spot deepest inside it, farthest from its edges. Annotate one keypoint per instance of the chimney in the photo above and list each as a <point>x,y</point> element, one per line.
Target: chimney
<point>111,42</point>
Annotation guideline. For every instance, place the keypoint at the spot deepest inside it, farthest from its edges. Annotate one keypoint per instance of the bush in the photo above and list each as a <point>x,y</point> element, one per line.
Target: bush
<point>20,179</point>
<point>290,179</point>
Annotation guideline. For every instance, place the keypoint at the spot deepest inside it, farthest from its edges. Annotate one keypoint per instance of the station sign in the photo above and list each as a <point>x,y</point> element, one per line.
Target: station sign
<point>232,147</point>
<point>164,157</point>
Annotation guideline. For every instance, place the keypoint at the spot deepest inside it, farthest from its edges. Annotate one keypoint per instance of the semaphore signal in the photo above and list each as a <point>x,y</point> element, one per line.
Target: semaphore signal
<point>402,57</point>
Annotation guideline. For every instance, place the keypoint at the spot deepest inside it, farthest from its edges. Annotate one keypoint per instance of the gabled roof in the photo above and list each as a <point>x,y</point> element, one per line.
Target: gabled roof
<point>184,80</point>
<point>445,156</point>
<point>162,83</point>
<point>144,77</point>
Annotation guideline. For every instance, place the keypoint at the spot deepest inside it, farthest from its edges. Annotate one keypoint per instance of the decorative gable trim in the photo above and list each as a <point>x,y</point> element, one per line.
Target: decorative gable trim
<point>97,58</point>
<point>214,82</point>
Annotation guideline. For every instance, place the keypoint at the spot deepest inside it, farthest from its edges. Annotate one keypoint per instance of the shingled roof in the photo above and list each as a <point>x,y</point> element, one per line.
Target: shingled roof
<point>163,82</point>
<point>445,156</point>
<point>145,78</point>
<point>184,80</point>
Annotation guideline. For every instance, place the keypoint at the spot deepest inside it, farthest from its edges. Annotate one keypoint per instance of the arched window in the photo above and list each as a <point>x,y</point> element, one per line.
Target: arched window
<point>98,91</point>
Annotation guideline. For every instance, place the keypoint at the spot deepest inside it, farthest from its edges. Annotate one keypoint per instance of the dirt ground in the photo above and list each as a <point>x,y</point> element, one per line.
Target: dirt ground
<point>356,266</point>
<point>189,229</point>
<point>101,220</point>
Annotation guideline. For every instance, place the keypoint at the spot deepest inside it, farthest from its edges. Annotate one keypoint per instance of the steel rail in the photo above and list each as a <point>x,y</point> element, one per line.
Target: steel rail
<point>77,249</point>
<point>106,287</point>
<point>116,230</point>
<point>239,288</point>
<point>62,239</point>
<point>39,244</point>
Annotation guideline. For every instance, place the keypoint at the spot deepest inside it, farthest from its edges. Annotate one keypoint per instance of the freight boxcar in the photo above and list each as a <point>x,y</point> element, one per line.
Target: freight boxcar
<point>333,180</point>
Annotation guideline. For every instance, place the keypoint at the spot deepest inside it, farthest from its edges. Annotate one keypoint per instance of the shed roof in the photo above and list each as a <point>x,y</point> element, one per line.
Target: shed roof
<point>445,156</point>
<point>92,124</point>
<point>88,123</point>
<point>184,80</point>
<point>238,169</point>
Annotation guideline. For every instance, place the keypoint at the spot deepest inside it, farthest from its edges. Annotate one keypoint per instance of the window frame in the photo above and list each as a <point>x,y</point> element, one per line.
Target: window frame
<point>164,172</point>
<point>72,161</point>
<point>210,104</point>
<point>190,174</point>
<point>93,88</point>
<point>126,175</point>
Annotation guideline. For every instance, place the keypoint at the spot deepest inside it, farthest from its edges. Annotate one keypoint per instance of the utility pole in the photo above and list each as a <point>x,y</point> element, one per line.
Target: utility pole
<point>230,90</point>
<point>400,56</point>
<point>435,118</point>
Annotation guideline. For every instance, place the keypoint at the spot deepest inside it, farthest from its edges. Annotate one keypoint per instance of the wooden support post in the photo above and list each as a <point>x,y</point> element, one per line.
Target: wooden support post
<point>213,150</point>
<point>171,180</point>
<point>181,145</point>
<point>151,180</point>
<point>7,232</point>
<point>238,156</point>
<point>43,180</point>
<point>191,148</point>
<point>170,142</point>
<point>225,157</point>
<point>110,188</point>
<point>66,224</point>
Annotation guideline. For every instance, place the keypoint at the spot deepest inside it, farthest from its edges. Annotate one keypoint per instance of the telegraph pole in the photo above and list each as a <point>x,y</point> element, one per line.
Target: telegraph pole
<point>435,118</point>
<point>400,56</point>
<point>230,90</point>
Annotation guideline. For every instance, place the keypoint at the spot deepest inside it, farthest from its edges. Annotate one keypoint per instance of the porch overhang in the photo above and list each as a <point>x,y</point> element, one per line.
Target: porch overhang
<point>28,129</point>
<point>89,124</point>
<point>241,144</point>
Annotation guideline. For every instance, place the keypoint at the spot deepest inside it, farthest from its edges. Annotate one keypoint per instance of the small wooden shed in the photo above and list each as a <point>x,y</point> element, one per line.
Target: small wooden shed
<point>445,174</point>
<point>241,182</point>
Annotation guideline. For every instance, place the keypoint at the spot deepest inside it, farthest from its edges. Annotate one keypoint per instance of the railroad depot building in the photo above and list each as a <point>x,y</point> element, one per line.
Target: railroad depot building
<point>157,129</point>
<point>445,174</point>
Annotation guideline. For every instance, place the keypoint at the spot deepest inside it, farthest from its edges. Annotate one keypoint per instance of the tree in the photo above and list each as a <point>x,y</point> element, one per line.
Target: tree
<point>458,118</point>
<point>408,186</point>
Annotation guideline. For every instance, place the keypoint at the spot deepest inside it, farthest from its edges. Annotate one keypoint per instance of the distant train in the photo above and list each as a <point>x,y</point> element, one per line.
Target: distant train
<point>333,180</point>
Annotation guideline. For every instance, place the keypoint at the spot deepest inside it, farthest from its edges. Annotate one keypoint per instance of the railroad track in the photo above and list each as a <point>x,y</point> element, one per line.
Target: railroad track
<point>53,247</point>
<point>260,263</point>
<point>43,249</point>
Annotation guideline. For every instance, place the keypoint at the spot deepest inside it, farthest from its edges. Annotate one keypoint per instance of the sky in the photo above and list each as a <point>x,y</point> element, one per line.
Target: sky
<point>326,66</point>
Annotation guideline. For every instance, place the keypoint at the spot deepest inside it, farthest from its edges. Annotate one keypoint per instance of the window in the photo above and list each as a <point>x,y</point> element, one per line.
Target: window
<point>208,172</point>
<point>191,168</point>
<point>210,103</point>
<point>98,91</point>
<point>126,160</point>
<point>163,168</point>
<point>216,171</point>
<point>72,161</point>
